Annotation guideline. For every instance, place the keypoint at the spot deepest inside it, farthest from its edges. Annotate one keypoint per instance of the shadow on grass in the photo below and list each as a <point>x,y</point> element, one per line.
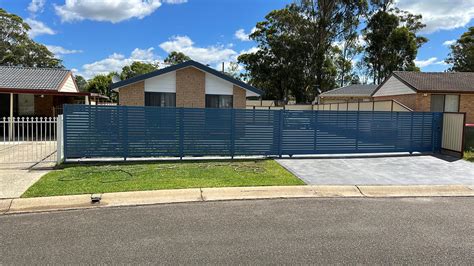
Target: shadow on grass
<point>155,162</point>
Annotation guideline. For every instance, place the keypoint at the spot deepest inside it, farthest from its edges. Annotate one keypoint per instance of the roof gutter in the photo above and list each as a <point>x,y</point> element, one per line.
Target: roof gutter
<point>42,92</point>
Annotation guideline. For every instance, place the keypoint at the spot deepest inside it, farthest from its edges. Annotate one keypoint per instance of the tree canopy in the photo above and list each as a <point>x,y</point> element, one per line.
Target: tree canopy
<point>392,41</point>
<point>295,57</point>
<point>81,83</point>
<point>16,47</point>
<point>461,57</point>
<point>137,68</point>
<point>175,58</point>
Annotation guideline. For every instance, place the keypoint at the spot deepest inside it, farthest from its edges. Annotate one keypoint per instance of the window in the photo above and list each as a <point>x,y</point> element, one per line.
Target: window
<point>161,99</point>
<point>219,101</point>
<point>451,103</point>
<point>437,103</point>
<point>444,103</point>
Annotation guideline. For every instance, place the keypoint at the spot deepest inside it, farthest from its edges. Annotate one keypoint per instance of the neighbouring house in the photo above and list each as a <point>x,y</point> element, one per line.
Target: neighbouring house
<point>189,84</point>
<point>431,92</point>
<point>350,93</point>
<point>99,99</point>
<point>37,92</point>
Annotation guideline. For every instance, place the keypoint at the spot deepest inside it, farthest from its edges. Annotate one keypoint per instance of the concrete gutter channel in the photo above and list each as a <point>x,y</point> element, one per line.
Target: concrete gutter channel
<point>45,204</point>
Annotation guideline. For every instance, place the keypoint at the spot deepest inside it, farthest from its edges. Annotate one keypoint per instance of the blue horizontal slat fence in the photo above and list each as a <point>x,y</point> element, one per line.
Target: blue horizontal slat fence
<point>125,131</point>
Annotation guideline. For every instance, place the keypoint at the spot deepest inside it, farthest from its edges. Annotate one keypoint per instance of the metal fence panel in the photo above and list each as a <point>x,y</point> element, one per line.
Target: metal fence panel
<point>123,131</point>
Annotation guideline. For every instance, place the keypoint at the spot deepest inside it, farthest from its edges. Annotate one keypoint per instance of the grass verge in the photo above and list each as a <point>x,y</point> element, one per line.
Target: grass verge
<point>469,156</point>
<point>102,178</point>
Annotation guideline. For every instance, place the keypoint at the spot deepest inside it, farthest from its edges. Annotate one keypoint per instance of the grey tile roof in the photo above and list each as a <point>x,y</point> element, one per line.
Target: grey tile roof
<point>438,81</point>
<point>30,78</point>
<point>355,90</point>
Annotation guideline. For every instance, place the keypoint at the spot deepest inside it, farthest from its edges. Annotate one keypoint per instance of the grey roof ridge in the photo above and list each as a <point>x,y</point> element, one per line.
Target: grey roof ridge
<point>37,68</point>
<point>340,88</point>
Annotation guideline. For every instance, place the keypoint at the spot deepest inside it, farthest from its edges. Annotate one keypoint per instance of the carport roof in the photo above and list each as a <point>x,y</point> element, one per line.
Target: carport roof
<point>31,78</point>
<point>35,80</point>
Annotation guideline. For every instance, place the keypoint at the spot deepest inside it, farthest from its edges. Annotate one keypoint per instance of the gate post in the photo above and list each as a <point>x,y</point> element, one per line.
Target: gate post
<point>232,132</point>
<point>315,126</point>
<point>181,133</point>
<point>411,133</point>
<point>59,140</point>
<point>357,131</point>
<point>280,134</point>
<point>124,126</point>
<point>64,129</point>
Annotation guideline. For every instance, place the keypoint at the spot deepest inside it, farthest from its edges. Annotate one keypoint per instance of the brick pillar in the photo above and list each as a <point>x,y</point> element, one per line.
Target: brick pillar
<point>466,105</point>
<point>239,98</point>
<point>190,88</point>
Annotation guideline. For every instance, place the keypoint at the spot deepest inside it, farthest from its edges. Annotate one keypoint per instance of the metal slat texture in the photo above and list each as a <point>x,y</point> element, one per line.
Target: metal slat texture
<point>124,131</point>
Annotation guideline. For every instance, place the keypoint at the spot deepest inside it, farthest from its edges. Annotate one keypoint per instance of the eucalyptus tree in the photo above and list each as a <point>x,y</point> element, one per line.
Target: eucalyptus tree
<point>392,40</point>
<point>18,49</point>
<point>462,53</point>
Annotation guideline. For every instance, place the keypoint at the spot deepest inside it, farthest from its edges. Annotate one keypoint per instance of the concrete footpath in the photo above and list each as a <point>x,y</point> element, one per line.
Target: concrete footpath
<point>25,205</point>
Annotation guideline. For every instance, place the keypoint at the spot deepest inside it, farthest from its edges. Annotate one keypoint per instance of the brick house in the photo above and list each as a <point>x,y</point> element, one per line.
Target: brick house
<point>350,93</point>
<point>40,92</point>
<point>431,92</point>
<point>189,84</point>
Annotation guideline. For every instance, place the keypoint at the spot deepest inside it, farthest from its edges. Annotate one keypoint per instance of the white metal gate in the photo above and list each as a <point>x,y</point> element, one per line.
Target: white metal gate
<point>27,141</point>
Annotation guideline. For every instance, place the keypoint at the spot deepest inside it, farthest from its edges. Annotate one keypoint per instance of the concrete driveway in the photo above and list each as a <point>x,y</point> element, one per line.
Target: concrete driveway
<point>401,170</point>
<point>22,164</point>
<point>15,181</point>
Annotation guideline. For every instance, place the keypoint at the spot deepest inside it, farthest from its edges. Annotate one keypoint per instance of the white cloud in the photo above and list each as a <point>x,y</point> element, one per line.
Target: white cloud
<point>106,10</point>
<point>206,55</point>
<point>449,43</point>
<point>212,55</point>
<point>59,51</point>
<point>427,62</point>
<point>38,28</point>
<point>440,14</point>
<point>241,35</point>
<point>36,6</point>
<point>250,50</point>
<point>116,61</point>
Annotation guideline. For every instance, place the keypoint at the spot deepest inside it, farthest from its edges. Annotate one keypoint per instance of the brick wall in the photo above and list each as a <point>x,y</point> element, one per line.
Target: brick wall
<point>466,104</point>
<point>240,99</point>
<point>423,103</point>
<point>44,105</point>
<point>190,88</point>
<point>133,94</point>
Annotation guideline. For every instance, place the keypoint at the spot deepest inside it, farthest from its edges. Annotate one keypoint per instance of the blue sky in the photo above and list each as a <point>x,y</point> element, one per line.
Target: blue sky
<point>94,36</point>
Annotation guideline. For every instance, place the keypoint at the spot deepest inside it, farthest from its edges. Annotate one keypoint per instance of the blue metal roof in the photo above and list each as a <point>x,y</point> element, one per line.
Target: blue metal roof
<point>189,63</point>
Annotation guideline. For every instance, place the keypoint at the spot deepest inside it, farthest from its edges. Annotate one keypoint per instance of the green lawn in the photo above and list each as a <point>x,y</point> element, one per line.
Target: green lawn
<point>469,156</point>
<point>86,178</point>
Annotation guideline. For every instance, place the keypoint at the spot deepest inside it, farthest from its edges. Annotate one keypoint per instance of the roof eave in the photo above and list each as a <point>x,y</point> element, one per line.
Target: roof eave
<point>42,92</point>
<point>116,86</point>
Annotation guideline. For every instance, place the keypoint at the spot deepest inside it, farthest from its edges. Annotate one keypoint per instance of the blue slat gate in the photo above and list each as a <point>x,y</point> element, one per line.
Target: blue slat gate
<point>125,131</point>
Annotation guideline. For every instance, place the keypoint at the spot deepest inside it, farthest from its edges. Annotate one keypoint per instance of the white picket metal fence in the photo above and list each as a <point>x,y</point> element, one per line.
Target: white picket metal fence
<point>30,140</point>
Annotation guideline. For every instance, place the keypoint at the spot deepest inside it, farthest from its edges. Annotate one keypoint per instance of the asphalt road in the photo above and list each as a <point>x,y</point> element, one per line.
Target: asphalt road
<point>408,231</point>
